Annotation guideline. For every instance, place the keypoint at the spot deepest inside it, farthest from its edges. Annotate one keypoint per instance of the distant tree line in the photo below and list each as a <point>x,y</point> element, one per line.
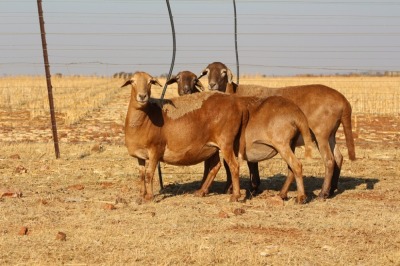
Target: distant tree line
<point>123,75</point>
<point>357,74</point>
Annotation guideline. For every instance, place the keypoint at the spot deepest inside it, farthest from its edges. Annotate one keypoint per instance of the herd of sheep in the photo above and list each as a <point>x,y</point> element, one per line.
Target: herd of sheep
<point>242,122</point>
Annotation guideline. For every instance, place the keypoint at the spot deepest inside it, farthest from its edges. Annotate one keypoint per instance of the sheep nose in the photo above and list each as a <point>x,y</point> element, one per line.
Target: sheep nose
<point>212,86</point>
<point>142,97</point>
<point>186,89</point>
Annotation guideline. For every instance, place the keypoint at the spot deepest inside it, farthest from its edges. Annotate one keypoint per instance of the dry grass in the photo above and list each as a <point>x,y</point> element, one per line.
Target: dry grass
<point>368,95</point>
<point>72,195</point>
<point>75,97</point>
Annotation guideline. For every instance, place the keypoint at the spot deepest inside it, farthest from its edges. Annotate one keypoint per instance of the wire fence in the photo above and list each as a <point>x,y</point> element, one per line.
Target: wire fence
<point>274,38</point>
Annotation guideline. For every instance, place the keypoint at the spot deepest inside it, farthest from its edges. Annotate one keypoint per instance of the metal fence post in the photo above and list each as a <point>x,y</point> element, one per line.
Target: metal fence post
<point>48,79</point>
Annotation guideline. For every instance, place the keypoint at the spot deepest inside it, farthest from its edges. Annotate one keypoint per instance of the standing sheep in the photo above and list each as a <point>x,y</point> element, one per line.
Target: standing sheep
<point>274,125</point>
<point>186,131</point>
<point>324,107</point>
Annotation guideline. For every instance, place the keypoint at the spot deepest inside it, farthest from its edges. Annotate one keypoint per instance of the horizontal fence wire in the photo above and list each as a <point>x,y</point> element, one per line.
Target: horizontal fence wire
<point>104,38</point>
<point>115,36</point>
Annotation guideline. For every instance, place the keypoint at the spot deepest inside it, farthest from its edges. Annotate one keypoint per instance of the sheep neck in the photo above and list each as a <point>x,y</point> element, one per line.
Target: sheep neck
<point>231,88</point>
<point>136,114</point>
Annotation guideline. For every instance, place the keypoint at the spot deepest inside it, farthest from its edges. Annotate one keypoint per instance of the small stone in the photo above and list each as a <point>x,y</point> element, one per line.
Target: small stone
<point>275,201</point>
<point>97,148</point>
<point>270,250</point>
<point>61,236</point>
<point>109,206</point>
<point>223,214</point>
<point>327,248</point>
<point>238,211</point>
<point>20,169</point>
<point>76,187</point>
<point>23,231</point>
<point>15,157</point>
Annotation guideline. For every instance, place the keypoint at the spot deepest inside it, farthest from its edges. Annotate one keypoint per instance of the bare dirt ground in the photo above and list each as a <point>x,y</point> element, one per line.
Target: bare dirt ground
<point>82,209</point>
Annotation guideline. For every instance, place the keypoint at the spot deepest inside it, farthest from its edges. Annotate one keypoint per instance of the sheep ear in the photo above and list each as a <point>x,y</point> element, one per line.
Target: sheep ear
<point>229,75</point>
<point>199,86</point>
<point>154,81</point>
<point>172,80</point>
<point>128,82</point>
<point>204,72</point>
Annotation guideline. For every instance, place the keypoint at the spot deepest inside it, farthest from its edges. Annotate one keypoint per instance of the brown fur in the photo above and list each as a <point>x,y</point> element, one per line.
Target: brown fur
<point>151,136</point>
<point>324,107</point>
<point>178,107</point>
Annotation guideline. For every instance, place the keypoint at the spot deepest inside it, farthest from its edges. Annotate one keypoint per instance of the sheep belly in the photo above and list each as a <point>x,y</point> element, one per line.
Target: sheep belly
<point>188,155</point>
<point>257,152</point>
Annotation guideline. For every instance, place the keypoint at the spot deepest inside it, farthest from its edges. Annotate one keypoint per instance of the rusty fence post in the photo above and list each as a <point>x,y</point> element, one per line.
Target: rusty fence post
<point>48,79</point>
<point>236,46</point>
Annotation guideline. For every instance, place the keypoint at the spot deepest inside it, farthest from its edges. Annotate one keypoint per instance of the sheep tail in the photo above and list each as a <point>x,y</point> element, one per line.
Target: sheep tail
<point>306,133</point>
<point>348,132</point>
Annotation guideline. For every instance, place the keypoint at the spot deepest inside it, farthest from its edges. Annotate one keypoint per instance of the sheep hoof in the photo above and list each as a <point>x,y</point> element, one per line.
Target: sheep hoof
<point>199,193</point>
<point>234,198</point>
<point>148,197</point>
<point>283,196</point>
<point>322,196</point>
<point>301,199</point>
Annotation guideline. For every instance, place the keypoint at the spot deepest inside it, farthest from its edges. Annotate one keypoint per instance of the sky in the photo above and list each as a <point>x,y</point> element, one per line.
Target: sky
<point>102,37</point>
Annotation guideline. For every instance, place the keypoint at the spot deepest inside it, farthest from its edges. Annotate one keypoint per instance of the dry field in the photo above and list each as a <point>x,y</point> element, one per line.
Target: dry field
<point>82,209</point>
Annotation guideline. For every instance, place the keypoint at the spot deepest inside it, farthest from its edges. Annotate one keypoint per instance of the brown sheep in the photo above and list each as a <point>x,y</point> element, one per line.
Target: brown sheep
<point>185,131</point>
<point>324,107</point>
<point>273,127</point>
<point>188,83</point>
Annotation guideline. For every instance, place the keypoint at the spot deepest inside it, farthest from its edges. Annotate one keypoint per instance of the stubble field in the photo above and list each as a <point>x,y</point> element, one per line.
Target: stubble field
<point>82,209</point>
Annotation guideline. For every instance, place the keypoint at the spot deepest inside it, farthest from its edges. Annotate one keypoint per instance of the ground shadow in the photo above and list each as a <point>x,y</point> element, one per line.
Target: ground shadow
<point>312,186</point>
<point>217,187</point>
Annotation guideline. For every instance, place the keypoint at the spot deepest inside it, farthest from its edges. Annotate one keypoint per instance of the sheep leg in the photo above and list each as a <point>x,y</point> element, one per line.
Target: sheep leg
<point>206,170</point>
<point>290,175</point>
<point>211,168</point>
<point>329,163</point>
<point>254,177</point>
<point>337,168</point>
<point>228,185</point>
<point>295,168</point>
<point>233,164</point>
<point>148,180</point>
<point>286,185</point>
<point>142,174</point>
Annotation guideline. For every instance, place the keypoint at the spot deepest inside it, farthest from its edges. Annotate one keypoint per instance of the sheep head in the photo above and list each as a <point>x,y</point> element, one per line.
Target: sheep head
<point>188,83</point>
<point>219,76</point>
<point>141,87</point>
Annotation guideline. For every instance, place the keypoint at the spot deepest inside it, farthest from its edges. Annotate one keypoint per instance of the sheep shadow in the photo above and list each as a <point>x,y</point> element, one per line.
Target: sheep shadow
<point>313,184</point>
<point>217,187</point>
<point>274,183</point>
